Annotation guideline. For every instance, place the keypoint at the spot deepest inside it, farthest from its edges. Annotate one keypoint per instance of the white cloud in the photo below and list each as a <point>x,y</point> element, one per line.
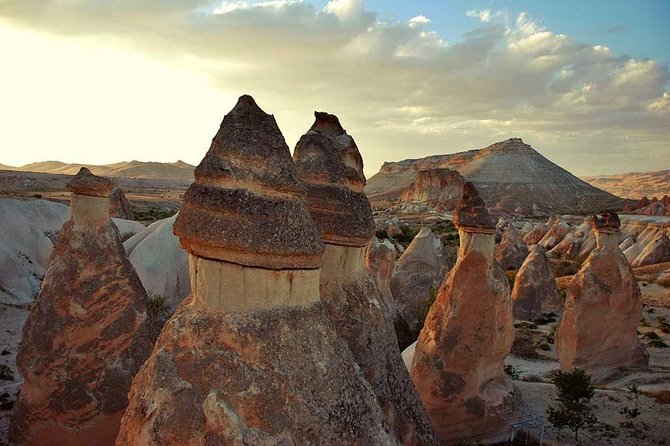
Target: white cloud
<point>401,90</point>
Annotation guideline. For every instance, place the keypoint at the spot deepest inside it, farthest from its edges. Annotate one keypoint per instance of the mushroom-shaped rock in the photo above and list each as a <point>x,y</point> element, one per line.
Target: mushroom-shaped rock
<point>603,308</point>
<point>416,278</point>
<point>328,161</point>
<point>512,250</point>
<point>251,357</point>
<point>534,290</point>
<point>87,334</point>
<point>459,356</point>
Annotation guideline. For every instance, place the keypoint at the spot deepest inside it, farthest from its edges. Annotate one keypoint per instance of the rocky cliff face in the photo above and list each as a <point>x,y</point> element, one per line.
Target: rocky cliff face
<point>436,186</point>
<point>87,334</point>
<point>511,176</point>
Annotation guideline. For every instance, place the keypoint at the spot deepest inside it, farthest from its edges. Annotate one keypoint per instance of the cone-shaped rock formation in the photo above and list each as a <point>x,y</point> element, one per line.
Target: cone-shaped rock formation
<point>512,250</point>
<point>603,308</point>
<point>251,356</point>
<point>459,357</point>
<point>380,257</point>
<point>534,289</point>
<point>328,160</point>
<point>87,334</point>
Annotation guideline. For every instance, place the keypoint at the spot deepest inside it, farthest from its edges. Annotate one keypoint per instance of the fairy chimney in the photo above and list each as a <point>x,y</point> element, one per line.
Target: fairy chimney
<point>329,163</point>
<point>459,356</point>
<point>251,356</point>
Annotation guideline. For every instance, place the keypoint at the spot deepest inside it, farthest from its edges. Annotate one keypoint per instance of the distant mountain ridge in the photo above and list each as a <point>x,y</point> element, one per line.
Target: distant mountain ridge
<point>511,176</point>
<point>634,185</point>
<point>178,170</point>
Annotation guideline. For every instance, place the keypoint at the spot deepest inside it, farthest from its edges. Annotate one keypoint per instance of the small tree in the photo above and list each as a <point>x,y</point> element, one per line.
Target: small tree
<point>574,409</point>
<point>634,412</point>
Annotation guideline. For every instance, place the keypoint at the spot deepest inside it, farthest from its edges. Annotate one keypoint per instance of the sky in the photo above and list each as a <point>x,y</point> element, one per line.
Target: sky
<point>586,83</point>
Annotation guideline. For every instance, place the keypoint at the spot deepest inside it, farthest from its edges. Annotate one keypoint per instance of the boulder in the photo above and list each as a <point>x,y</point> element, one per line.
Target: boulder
<point>534,290</point>
<point>512,250</point>
<point>416,277</point>
<point>160,262</point>
<point>251,357</point>
<point>459,356</point>
<point>87,334</point>
<point>603,308</point>
<point>656,251</point>
<point>557,231</point>
<point>576,245</point>
<point>329,163</point>
<point>533,236</point>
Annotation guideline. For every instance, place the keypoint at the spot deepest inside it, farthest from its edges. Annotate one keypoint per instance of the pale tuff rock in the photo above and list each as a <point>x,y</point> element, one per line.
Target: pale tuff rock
<point>656,251</point>
<point>380,259</point>
<point>251,357</point>
<point>436,186</point>
<point>534,289</point>
<point>87,334</point>
<point>576,245</point>
<point>534,235</point>
<point>459,356</point>
<point>597,331</point>
<point>512,250</point>
<point>417,276</point>
<point>557,231</point>
<point>328,161</point>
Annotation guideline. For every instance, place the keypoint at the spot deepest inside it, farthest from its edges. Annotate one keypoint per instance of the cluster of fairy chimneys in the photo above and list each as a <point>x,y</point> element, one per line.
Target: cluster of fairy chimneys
<point>267,234</point>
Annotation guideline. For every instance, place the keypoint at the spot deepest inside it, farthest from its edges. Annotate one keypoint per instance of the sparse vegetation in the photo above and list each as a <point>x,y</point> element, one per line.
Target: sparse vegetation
<point>662,324</point>
<point>526,325</point>
<point>630,413</point>
<point>153,214</point>
<point>157,309</point>
<point>6,373</point>
<point>382,234</point>
<point>574,410</point>
<point>545,318</point>
<point>512,372</point>
<point>644,323</point>
<point>654,340</point>
<point>562,268</point>
<point>406,236</point>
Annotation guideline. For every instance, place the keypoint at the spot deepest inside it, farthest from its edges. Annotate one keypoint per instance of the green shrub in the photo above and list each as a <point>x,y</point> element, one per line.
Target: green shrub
<point>157,309</point>
<point>382,234</point>
<point>574,409</point>
<point>511,371</point>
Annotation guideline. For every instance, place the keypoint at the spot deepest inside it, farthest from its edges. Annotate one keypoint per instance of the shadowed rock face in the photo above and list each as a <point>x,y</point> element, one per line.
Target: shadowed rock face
<point>512,250</point>
<point>380,258</point>
<point>443,186</point>
<point>251,357</point>
<point>328,161</point>
<point>597,331</point>
<point>354,302</point>
<point>248,171</point>
<point>87,334</point>
<point>459,356</point>
<point>120,206</point>
<point>534,289</point>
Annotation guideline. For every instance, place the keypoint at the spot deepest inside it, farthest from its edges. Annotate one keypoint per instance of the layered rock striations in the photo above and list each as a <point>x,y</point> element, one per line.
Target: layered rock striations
<point>328,161</point>
<point>534,290</point>
<point>250,357</point>
<point>436,186</point>
<point>603,308</point>
<point>459,357</point>
<point>87,334</point>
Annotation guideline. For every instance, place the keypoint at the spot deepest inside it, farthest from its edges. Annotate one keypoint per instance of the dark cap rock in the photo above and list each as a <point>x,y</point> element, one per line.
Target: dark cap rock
<point>85,183</point>
<point>471,213</point>
<point>608,221</point>
<point>328,161</point>
<point>245,205</point>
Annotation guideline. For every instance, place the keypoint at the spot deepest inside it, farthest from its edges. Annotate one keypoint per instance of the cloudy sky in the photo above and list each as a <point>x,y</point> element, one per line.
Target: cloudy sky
<point>97,81</point>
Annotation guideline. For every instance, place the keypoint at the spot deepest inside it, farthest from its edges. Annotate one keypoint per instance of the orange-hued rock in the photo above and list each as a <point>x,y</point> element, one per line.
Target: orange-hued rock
<point>251,356</point>
<point>533,236</point>
<point>534,290</point>
<point>87,334</point>
<point>334,195</point>
<point>656,251</point>
<point>380,258</point>
<point>576,245</point>
<point>557,231</point>
<point>512,250</point>
<point>119,205</point>
<point>603,308</point>
<point>443,186</point>
<point>459,357</point>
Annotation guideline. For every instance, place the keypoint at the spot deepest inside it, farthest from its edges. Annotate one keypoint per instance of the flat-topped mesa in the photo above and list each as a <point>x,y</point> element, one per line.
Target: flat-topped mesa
<point>251,241</point>
<point>459,357</point>
<point>603,307</point>
<point>328,161</point>
<point>251,356</point>
<point>89,205</point>
<point>245,205</point>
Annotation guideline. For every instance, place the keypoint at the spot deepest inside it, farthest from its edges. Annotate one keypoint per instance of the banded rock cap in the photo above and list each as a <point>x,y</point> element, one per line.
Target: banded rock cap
<point>471,214</point>
<point>608,221</point>
<point>328,161</point>
<point>85,183</point>
<point>245,205</point>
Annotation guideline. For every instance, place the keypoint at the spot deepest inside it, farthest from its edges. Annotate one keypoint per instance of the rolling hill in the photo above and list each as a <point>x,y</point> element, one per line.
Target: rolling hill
<point>127,169</point>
